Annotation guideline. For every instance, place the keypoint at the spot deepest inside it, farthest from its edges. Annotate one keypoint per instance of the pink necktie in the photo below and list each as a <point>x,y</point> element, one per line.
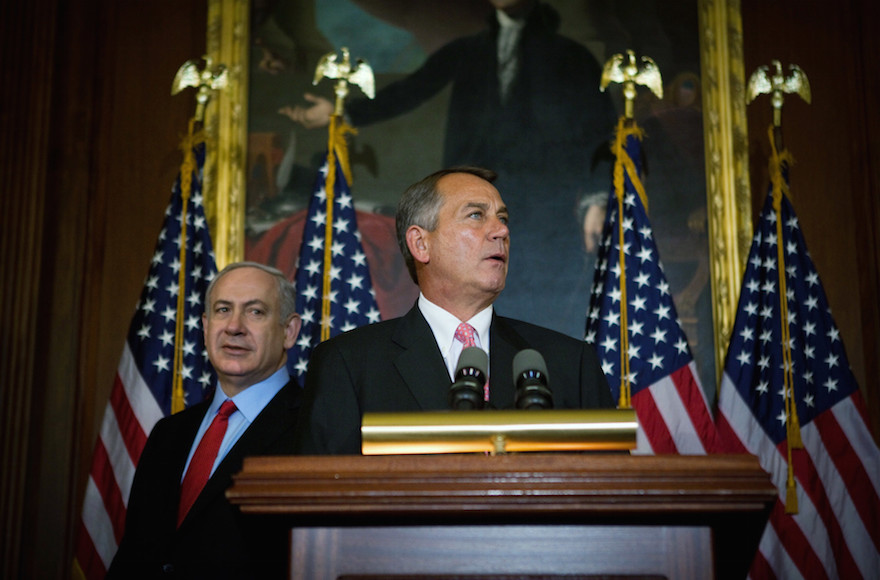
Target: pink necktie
<point>203,460</point>
<point>465,335</point>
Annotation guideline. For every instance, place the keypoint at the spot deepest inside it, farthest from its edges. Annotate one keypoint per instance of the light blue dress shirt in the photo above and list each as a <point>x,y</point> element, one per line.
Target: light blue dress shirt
<point>249,403</point>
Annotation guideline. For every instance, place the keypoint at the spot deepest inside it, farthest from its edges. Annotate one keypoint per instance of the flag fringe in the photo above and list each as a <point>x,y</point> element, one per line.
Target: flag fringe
<point>791,501</point>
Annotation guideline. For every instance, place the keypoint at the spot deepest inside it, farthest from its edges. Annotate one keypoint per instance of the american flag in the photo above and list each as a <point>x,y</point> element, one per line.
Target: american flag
<point>334,292</point>
<point>787,381</point>
<point>649,366</point>
<point>166,325</point>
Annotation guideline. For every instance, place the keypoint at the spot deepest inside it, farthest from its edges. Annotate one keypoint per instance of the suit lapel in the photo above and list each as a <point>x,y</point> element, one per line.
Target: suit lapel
<point>186,433</point>
<point>420,363</point>
<point>424,372</point>
<point>504,343</point>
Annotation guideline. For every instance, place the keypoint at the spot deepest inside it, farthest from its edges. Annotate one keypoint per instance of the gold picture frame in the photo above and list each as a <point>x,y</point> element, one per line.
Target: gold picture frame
<point>724,127</point>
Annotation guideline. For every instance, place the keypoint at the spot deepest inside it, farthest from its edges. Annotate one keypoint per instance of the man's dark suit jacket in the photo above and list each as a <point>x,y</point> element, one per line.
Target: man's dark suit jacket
<point>214,540</point>
<point>396,366</point>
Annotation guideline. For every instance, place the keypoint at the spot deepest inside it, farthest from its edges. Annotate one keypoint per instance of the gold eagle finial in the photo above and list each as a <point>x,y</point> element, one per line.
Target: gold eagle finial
<point>207,80</point>
<point>624,69</point>
<point>345,73</point>
<point>776,84</point>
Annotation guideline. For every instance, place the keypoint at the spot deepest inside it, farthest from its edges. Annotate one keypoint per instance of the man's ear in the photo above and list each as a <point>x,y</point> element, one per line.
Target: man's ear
<point>417,242</point>
<point>291,331</point>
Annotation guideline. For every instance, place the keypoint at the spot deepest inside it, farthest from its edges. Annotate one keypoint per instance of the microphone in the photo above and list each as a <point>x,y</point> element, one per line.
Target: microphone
<point>531,378</point>
<point>466,393</point>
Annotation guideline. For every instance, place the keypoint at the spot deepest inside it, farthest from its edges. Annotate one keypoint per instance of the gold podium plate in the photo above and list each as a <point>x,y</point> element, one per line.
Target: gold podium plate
<point>498,431</point>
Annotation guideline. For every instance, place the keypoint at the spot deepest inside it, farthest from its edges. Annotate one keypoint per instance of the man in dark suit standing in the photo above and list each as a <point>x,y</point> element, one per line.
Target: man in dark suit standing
<point>452,228</point>
<point>179,523</point>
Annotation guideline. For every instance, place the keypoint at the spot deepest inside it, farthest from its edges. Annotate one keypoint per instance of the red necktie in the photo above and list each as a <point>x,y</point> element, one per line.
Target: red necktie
<point>203,460</point>
<point>465,335</point>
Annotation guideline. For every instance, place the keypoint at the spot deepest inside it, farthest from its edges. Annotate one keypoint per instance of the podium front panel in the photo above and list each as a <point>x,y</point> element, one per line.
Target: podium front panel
<point>542,551</point>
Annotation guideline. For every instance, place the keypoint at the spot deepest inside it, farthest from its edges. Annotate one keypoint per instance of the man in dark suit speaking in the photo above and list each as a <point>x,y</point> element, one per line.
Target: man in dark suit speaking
<point>179,523</point>
<point>452,228</point>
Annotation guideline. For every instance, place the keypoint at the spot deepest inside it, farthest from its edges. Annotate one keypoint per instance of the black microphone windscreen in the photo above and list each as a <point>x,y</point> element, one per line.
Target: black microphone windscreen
<point>529,360</point>
<point>473,357</point>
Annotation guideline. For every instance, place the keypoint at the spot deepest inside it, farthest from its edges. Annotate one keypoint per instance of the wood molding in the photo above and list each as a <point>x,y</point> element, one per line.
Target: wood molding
<point>558,485</point>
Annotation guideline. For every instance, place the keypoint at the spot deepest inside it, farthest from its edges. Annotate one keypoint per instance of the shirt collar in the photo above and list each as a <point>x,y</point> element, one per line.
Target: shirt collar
<point>506,21</point>
<point>443,324</point>
<point>251,401</point>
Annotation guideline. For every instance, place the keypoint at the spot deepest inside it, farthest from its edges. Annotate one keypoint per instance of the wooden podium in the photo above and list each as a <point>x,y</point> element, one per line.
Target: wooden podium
<point>513,516</point>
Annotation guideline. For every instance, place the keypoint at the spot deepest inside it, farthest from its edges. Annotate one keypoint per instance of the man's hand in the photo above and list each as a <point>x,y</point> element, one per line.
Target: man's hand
<point>317,115</point>
<point>594,219</point>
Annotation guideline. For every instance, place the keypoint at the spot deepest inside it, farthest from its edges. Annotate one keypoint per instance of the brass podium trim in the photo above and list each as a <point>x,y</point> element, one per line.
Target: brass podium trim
<point>498,431</point>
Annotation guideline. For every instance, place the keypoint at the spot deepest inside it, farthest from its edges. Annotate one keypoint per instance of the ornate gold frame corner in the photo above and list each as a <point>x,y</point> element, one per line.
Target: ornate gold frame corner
<point>725,136</point>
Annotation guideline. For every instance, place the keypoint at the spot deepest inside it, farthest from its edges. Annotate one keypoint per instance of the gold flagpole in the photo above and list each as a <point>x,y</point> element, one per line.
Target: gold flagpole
<point>187,168</point>
<point>207,80</point>
<point>624,69</point>
<point>776,84</point>
<point>345,73</point>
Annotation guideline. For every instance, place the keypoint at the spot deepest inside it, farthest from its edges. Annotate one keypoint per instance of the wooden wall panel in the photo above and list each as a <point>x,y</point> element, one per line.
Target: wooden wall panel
<point>135,161</point>
<point>867,192</point>
<point>88,154</point>
<point>26,31</point>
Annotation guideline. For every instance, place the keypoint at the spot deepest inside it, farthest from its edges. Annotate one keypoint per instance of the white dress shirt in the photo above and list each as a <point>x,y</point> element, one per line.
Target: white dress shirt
<point>443,325</point>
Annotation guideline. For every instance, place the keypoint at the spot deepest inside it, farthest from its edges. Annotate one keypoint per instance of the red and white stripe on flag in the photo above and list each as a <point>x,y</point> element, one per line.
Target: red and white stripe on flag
<point>787,373</point>
<point>836,532</point>
<point>674,415</point>
<point>166,326</point>
<point>129,417</point>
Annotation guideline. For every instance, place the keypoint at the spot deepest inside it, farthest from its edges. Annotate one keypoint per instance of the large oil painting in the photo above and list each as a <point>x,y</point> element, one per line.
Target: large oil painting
<point>512,85</point>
